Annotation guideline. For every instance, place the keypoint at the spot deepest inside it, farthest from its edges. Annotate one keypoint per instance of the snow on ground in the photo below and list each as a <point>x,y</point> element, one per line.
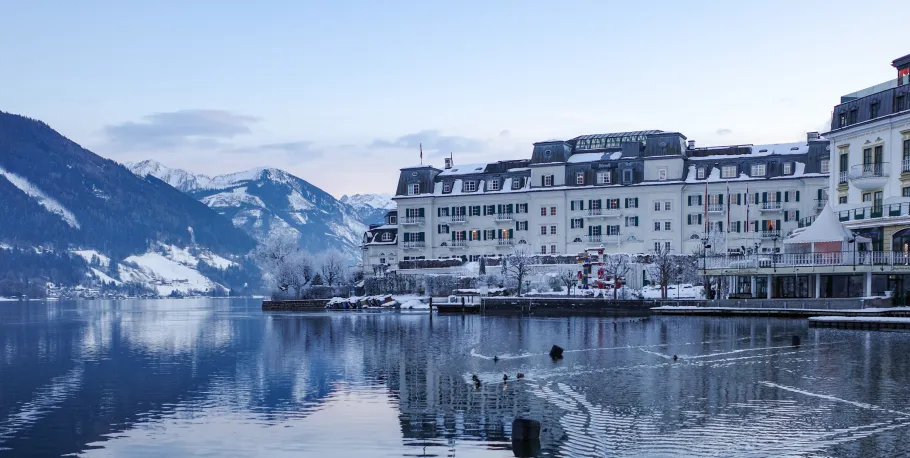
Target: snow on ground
<point>234,198</point>
<point>104,277</point>
<point>165,275</point>
<point>88,254</point>
<point>48,203</point>
<point>299,203</point>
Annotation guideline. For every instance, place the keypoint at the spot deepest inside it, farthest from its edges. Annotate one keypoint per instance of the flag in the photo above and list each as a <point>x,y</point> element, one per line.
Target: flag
<point>728,217</point>
<point>421,154</point>
<point>747,208</point>
<point>707,225</point>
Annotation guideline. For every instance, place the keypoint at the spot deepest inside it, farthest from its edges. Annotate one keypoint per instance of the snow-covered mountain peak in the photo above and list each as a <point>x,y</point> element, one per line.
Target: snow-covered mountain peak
<point>181,179</point>
<point>381,201</point>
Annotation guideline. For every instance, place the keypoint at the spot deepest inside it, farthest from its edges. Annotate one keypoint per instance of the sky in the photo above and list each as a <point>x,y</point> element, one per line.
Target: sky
<point>343,93</point>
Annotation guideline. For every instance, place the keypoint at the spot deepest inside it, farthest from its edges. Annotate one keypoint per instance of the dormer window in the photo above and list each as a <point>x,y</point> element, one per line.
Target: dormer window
<point>788,168</point>
<point>446,187</point>
<point>548,180</point>
<point>580,178</point>
<point>386,236</point>
<point>516,183</point>
<point>469,186</point>
<point>603,177</point>
<point>758,170</point>
<point>413,189</point>
<point>393,219</point>
<point>728,171</point>
<point>494,184</point>
<point>700,173</point>
<point>627,176</point>
<point>548,154</point>
<point>662,174</point>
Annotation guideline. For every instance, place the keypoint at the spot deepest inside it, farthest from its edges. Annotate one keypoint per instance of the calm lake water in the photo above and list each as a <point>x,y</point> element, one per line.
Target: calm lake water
<point>220,378</point>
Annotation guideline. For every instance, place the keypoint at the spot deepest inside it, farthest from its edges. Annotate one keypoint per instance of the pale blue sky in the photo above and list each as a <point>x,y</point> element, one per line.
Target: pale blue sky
<point>338,92</point>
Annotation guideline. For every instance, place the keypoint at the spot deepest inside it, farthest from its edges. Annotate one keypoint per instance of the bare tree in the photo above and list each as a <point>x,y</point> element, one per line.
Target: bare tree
<point>332,267</point>
<point>567,276</point>
<point>518,264</point>
<point>617,266</point>
<point>662,268</point>
<point>300,271</point>
<point>274,256</point>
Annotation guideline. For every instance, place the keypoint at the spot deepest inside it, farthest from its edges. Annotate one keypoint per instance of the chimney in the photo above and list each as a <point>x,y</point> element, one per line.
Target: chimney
<point>691,144</point>
<point>448,163</point>
<point>811,136</point>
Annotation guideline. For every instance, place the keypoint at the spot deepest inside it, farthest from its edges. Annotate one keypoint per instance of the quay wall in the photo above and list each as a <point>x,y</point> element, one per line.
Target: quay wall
<point>299,305</point>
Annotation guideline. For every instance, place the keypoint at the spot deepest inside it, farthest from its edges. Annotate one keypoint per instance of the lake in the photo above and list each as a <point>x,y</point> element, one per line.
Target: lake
<point>218,377</point>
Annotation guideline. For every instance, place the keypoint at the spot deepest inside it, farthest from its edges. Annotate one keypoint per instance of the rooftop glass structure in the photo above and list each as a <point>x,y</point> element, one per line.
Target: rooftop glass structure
<point>613,140</point>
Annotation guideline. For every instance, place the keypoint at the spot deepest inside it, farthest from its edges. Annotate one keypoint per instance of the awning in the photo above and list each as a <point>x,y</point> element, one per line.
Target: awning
<point>826,228</point>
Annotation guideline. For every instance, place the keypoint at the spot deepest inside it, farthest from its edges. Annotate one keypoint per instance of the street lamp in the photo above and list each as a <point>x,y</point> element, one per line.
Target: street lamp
<point>852,242</point>
<point>704,257</point>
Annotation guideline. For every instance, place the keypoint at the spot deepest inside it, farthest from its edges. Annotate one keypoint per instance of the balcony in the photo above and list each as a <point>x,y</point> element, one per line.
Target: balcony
<point>455,244</point>
<point>503,217</point>
<point>414,245</point>
<point>868,177</point>
<point>412,221</point>
<point>842,178</point>
<point>716,208</point>
<point>594,238</point>
<point>905,166</point>
<point>770,206</point>
<point>848,259</point>
<point>602,213</point>
<point>458,219</point>
<point>504,243</point>
<point>770,234</point>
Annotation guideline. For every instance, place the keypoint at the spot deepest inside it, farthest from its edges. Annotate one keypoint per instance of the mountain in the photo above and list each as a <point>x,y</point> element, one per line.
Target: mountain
<point>371,208</point>
<point>60,197</point>
<point>267,201</point>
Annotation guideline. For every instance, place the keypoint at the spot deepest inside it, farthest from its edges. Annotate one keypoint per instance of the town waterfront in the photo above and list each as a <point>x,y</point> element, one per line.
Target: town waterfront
<point>219,377</point>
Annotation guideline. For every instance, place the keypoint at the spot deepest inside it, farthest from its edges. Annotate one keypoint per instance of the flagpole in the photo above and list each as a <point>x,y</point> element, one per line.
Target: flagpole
<point>421,154</point>
<point>727,234</point>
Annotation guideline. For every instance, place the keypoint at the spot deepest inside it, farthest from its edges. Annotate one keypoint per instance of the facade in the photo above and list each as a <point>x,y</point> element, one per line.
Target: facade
<point>630,192</point>
<point>380,245</point>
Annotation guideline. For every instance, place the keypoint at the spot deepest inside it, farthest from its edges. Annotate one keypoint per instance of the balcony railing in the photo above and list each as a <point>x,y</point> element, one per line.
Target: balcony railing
<point>716,208</point>
<point>503,217</point>
<point>867,171</point>
<point>820,204</point>
<point>770,234</point>
<point>783,260</point>
<point>458,219</point>
<point>770,206</point>
<point>412,220</point>
<point>413,245</point>
<point>458,243</point>
<point>505,242</point>
<point>905,166</point>
<point>806,221</point>
<point>842,178</point>
<point>594,238</point>
<point>605,212</point>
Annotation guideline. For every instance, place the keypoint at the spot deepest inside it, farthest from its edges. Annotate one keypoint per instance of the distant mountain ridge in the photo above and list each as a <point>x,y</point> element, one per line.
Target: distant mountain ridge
<point>57,195</point>
<point>265,201</point>
<point>370,207</point>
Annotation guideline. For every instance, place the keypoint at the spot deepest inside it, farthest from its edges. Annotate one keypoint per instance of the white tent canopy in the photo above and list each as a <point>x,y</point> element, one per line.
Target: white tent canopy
<point>826,228</point>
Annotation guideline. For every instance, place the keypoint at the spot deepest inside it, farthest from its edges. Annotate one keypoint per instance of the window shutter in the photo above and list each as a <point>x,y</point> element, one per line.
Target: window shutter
<point>439,212</point>
<point>420,237</point>
<point>453,235</point>
<point>689,220</point>
<point>627,202</point>
<point>572,223</point>
<point>484,234</point>
<point>720,199</point>
<point>777,195</point>
<point>797,196</point>
<point>590,229</point>
<point>819,195</point>
<point>420,212</point>
<point>510,233</point>
<point>542,179</point>
<point>581,223</point>
<point>699,219</point>
<point>407,236</point>
<point>786,216</point>
<point>690,201</point>
<point>764,197</point>
<point>797,215</point>
<point>777,226</point>
<point>787,196</point>
<point>720,226</point>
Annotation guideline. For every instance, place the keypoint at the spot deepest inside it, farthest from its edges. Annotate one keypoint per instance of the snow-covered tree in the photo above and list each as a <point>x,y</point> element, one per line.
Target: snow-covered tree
<point>300,271</point>
<point>662,268</point>
<point>482,269</point>
<point>567,276</point>
<point>617,266</point>
<point>333,266</point>
<point>274,256</point>
<point>518,265</point>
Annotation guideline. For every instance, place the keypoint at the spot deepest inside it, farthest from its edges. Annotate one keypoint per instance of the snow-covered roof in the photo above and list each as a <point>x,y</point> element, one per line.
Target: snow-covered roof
<point>826,228</point>
<point>593,157</point>
<point>757,151</point>
<point>464,169</point>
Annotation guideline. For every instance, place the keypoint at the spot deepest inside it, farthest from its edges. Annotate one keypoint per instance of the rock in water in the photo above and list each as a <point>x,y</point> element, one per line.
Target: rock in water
<point>556,352</point>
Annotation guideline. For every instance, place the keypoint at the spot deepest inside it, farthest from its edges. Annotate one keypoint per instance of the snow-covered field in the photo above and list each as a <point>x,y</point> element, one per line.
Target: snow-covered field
<point>43,199</point>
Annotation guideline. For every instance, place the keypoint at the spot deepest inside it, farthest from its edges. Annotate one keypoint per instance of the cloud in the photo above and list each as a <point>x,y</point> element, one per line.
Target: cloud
<point>505,133</point>
<point>195,128</point>
<point>723,131</point>
<point>433,142</point>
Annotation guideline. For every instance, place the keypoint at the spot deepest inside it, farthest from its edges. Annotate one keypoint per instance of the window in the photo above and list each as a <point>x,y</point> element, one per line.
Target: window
<point>475,210</point>
<point>842,199</point>
<point>543,249</point>
<point>548,180</point>
<point>700,173</point>
<point>489,234</point>
<point>543,229</point>
<point>469,186</point>
<point>657,225</point>
<point>656,246</point>
<point>825,166</point>
<point>899,103</point>
<point>443,229</point>
<point>667,206</point>
<point>516,183</point>
<point>613,230</point>
<point>631,221</point>
<point>446,187</point>
<point>844,165</point>
<point>788,168</point>
<point>521,225</point>
<point>543,211</point>
<point>627,176</point>
<point>522,208</point>
<point>552,249</point>
<point>728,171</point>
<point>393,219</point>
<point>905,192</point>
<point>580,178</point>
<point>413,189</point>
<point>842,119</point>
<point>851,117</point>
<point>576,223</point>
<point>474,235</point>
<point>666,246</point>
<point>657,206</point>
<point>666,225</point>
<point>758,170</point>
<point>603,177</point>
<point>443,211</point>
<point>631,202</point>
<point>552,211</point>
<point>386,236</point>
<point>867,197</point>
<point>693,219</point>
<point>553,229</point>
<point>662,174</point>
<point>873,110</point>
<point>494,184</point>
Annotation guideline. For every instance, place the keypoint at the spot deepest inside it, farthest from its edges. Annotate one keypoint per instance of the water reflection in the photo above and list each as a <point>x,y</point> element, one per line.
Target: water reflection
<point>218,377</point>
